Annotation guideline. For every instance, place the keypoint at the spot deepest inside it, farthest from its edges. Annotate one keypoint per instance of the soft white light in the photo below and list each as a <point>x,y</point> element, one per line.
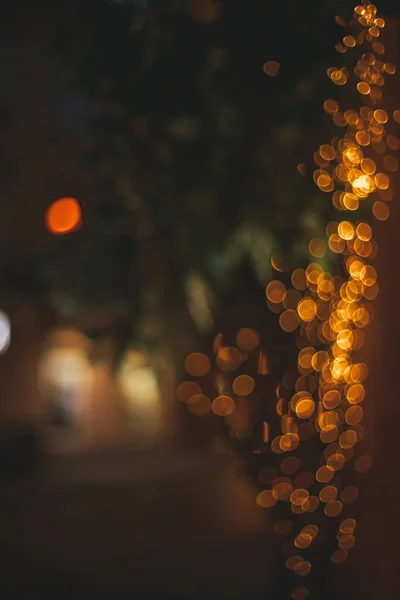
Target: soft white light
<point>5,332</point>
<point>65,368</point>
<point>66,378</point>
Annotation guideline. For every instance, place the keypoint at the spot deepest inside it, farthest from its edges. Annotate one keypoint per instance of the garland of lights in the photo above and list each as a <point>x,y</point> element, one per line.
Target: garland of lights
<point>329,313</point>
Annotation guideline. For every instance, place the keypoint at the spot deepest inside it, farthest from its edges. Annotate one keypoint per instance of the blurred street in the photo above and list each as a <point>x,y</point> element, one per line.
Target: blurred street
<point>160,524</point>
<point>199,227</point>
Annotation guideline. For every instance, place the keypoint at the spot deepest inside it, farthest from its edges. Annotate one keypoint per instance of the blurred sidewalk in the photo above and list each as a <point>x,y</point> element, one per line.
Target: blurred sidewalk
<point>158,524</point>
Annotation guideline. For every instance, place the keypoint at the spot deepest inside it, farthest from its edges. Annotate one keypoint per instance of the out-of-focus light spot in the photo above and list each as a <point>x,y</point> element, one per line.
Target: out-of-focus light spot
<point>292,561</point>
<point>339,556</point>
<point>336,461</point>
<point>275,291</point>
<point>324,474</point>
<point>381,116</point>
<point>368,166</point>
<point>391,163</point>
<point>279,263</point>
<point>205,11</point>
<point>368,275</point>
<point>346,230</point>
<point>299,280</point>
<point>289,320</point>
<point>332,399</point>
<point>290,465</point>
<point>331,106</point>
<point>199,405</point>
<point>354,415</point>
<point>65,368</point>
<point>349,494</point>
<point>197,364</point>
<point>389,68</point>
<point>349,41</point>
<point>243,385</point>
<point>263,367</point>
<point>301,167</point>
<point>310,504</point>
<point>328,493</point>
<point>347,526</point>
<point>336,243</point>
<point>300,593</point>
<point>5,332</point>
<point>271,68</point>
<point>229,359</point>
<point>340,21</point>
<point>265,432</point>
<point>63,216</point>
<point>333,508</point>
<point>363,88</point>
<point>382,181</point>
<point>348,439</point>
<point>327,152</point>
<point>363,138</point>
<point>393,142</point>
<point>187,389</point>
<point>364,232</point>
<point>199,302</point>
<point>380,210</point>
<point>282,489</point>
<point>319,359</point>
<point>307,309</point>
<point>291,298</point>
<point>363,464</point>
<point>302,569</point>
<point>288,442</point>
<point>305,408</point>
<point>329,434</point>
<point>298,496</point>
<point>303,540</point>
<point>317,247</point>
<point>247,339</point>
<point>223,406</point>
<point>266,499</point>
<point>140,386</point>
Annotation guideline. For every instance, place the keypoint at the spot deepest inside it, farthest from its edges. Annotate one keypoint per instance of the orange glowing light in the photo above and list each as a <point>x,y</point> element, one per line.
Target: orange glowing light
<point>63,216</point>
<point>197,364</point>
<point>271,68</point>
<point>223,406</point>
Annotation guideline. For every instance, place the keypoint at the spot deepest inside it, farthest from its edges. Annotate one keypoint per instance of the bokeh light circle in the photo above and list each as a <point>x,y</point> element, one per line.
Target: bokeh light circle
<point>63,216</point>
<point>5,332</point>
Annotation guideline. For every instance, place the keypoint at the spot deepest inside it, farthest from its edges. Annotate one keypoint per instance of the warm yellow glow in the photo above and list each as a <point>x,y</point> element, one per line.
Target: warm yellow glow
<point>64,365</point>
<point>139,384</point>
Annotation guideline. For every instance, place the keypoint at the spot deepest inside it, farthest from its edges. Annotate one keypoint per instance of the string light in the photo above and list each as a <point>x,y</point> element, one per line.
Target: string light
<point>333,310</point>
<point>329,313</point>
